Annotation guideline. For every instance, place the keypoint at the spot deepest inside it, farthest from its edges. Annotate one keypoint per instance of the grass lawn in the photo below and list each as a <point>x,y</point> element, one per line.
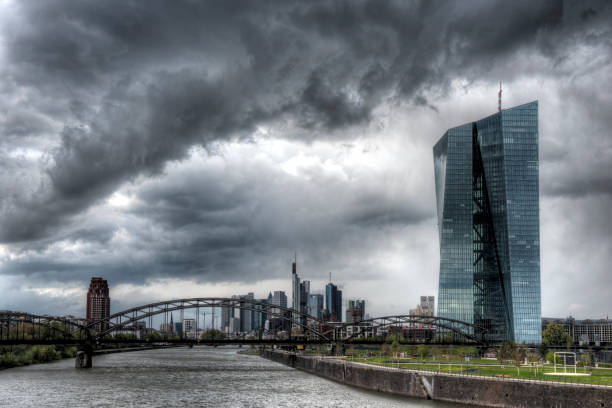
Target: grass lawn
<point>491,368</point>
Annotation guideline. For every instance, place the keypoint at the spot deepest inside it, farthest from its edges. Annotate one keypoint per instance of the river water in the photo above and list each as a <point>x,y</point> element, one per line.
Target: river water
<point>198,377</point>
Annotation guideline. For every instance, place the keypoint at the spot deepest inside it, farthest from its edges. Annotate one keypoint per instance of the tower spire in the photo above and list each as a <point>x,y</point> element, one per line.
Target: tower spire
<point>499,97</point>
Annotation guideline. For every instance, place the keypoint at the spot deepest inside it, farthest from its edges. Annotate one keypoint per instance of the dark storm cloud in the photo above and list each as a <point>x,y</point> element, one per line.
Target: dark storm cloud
<point>113,91</point>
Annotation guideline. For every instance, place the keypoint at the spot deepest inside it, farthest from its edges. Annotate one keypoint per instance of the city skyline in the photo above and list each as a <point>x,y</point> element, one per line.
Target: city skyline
<point>174,166</point>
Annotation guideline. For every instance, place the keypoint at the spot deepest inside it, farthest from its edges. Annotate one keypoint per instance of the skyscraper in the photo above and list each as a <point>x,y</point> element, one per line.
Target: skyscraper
<point>488,219</point>
<point>246,316</point>
<point>225,319</point>
<point>304,293</point>
<point>355,310</point>
<point>261,315</point>
<point>276,322</point>
<point>296,290</point>
<point>425,308</point>
<point>315,305</point>
<point>333,302</point>
<point>98,302</point>
<point>279,298</point>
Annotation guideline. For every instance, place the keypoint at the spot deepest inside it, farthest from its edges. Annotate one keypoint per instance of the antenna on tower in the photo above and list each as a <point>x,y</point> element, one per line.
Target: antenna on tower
<point>499,95</point>
<point>330,277</point>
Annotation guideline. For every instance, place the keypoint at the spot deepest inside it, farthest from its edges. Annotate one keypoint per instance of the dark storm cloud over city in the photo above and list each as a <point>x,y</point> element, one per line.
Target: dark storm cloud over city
<point>150,142</point>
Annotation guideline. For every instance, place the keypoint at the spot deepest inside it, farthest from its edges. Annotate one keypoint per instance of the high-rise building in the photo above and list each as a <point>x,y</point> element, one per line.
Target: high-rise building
<point>246,316</point>
<point>333,302</point>
<point>295,289</point>
<point>425,308</point>
<point>98,302</point>
<point>486,176</point>
<point>315,306</point>
<point>355,310</point>
<point>275,317</point>
<point>189,328</point>
<point>225,319</point>
<point>261,315</point>
<point>304,294</point>
<point>279,298</point>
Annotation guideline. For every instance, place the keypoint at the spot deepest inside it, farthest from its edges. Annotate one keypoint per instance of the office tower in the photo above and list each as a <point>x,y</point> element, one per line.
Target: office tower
<point>304,293</point>
<point>246,316</point>
<point>486,176</point>
<point>333,302</point>
<point>355,310</point>
<point>98,303</point>
<point>315,306</point>
<point>279,298</point>
<point>235,326</point>
<point>260,315</point>
<point>189,328</point>
<point>427,305</point>
<point>339,305</point>
<point>425,308</point>
<point>275,317</point>
<point>295,288</point>
<point>225,319</point>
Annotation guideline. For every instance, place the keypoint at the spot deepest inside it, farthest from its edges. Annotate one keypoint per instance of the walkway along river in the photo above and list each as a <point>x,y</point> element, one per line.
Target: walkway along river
<point>198,377</point>
<point>457,388</point>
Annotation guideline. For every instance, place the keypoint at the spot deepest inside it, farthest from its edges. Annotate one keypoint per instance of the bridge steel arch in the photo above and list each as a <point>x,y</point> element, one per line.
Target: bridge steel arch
<point>63,328</point>
<point>461,328</point>
<point>128,317</point>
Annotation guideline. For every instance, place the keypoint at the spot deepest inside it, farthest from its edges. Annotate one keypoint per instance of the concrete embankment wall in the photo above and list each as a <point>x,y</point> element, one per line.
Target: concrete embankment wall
<point>488,392</point>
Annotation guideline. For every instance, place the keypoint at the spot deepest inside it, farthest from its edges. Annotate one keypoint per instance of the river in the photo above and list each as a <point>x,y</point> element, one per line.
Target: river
<point>198,377</point>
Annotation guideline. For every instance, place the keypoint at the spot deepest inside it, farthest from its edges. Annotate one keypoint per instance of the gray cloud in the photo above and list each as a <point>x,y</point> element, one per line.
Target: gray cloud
<point>100,97</point>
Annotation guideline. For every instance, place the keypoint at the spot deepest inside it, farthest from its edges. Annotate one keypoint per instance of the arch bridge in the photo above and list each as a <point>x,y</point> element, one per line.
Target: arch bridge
<point>127,318</point>
<point>432,329</point>
<point>26,328</point>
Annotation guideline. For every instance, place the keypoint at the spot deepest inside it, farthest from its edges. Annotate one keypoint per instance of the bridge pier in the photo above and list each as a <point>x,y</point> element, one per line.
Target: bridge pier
<point>84,357</point>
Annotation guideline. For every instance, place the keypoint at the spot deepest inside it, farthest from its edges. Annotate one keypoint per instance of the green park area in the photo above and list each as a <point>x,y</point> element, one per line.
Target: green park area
<point>510,361</point>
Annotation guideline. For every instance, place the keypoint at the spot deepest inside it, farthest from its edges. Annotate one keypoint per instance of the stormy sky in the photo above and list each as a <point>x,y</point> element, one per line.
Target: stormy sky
<point>188,148</point>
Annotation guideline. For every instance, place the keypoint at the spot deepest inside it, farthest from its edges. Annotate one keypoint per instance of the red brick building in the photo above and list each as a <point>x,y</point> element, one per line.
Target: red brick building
<point>98,302</point>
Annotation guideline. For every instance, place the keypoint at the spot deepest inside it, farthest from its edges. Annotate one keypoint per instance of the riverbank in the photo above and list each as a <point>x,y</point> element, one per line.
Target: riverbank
<point>457,388</point>
<point>20,356</point>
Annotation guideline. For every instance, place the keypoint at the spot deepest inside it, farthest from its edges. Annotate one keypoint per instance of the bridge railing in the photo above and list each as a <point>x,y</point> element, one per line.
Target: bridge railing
<point>22,327</point>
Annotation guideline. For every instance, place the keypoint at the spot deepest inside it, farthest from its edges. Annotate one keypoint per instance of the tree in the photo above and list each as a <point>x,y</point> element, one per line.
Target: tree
<point>586,359</point>
<point>212,334</point>
<point>518,352</point>
<point>395,347</point>
<point>423,350</point>
<point>542,351</point>
<point>503,353</point>
<point>154,336</point>
<point>554,334</point>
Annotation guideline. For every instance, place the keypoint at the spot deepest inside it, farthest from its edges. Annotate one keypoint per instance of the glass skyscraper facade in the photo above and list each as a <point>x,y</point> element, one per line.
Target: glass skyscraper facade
<point>486,175</point>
